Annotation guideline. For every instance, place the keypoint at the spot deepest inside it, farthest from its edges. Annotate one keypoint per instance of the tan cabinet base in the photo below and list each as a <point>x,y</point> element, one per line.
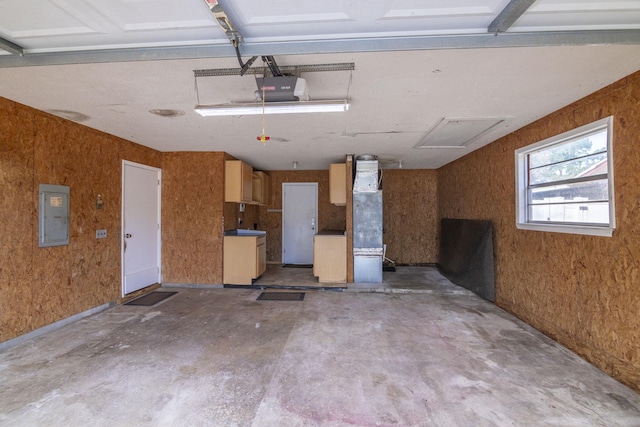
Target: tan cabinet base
<point>244,259</point>
<point>330,258</point>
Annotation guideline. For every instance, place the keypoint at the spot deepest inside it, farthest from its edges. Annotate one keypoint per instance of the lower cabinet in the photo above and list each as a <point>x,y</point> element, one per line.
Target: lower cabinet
<point>330,258</point>
<point>244,259</point>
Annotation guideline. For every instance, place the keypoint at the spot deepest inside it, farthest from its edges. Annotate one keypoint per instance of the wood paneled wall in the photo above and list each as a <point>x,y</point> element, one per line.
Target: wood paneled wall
<point>583,291</point>
<point>39,286</point>
<point>410,209</point>
<point>193,217</point>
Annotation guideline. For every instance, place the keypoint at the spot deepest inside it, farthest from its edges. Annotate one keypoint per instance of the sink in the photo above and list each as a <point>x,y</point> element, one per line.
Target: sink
<point>245,232</point>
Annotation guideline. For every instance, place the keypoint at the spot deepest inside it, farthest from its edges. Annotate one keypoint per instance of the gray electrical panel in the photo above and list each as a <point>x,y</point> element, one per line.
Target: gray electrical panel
<point>53,215</point>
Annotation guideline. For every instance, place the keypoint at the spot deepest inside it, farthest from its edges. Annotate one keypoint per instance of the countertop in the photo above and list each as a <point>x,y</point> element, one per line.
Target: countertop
<point>245,232</point>
<point>331,233</point>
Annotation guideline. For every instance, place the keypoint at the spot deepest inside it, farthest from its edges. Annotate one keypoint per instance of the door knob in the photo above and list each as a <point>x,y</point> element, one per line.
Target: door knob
<point>126,236</point>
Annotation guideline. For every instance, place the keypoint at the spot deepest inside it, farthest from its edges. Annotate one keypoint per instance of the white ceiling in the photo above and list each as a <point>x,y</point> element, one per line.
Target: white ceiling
<point>108,64</point>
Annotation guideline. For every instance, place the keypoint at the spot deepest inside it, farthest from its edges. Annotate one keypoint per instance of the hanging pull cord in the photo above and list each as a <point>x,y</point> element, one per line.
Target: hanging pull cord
<point>263,120</point>
<point>263,138</point>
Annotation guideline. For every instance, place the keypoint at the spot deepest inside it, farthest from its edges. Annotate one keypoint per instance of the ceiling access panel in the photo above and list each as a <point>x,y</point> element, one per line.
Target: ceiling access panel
<point>452,132</point>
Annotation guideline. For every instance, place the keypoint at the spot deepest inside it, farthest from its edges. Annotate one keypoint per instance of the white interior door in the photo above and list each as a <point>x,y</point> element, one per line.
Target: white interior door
<point>140,226</point>
<point>299,221</point>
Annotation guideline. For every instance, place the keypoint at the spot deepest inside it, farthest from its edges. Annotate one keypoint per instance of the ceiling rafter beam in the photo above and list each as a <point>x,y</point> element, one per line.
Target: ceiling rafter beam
<point>372,44</point>
<point>11,47</point>
<point>509,15</point>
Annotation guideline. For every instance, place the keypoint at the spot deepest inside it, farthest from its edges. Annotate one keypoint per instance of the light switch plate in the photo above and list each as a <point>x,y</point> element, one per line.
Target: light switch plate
<point>101,234</point>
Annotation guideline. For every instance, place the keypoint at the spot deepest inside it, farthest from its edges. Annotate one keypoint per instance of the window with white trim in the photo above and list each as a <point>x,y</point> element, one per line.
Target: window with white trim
<point>565,183</point>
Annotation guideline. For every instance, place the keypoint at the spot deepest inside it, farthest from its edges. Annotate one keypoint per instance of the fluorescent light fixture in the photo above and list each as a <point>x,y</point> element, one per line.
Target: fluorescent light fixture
<point>332,106</point>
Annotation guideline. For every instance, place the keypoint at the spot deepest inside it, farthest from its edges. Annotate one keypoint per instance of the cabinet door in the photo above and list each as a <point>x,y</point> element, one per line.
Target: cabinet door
<point>338,184</point>
<point>261,188</point>
<point>238,181</point>
<point>257,188</point>
<point>330,259</point>
<point>247,183</point>
<point>266,189</point>
<point>239,260</point>
<point>261,257</point>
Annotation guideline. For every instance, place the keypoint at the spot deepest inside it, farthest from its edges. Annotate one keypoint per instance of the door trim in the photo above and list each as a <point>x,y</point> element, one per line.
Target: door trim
<point>122,222</point>
<point>293,184</point>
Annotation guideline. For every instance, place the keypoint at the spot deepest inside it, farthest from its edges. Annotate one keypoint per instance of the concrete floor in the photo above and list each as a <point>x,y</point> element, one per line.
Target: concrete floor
<point>432,355</point>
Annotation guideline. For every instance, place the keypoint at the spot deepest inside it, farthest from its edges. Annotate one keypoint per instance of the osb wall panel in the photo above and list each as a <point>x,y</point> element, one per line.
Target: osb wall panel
<point>270,219</point>
<point>410,211</point>
<point>192,217</point>
<point>581,290</point>
<point>86,273</point>
<point>54,283</point>
<point>250,217</point>
<point>17,215</point>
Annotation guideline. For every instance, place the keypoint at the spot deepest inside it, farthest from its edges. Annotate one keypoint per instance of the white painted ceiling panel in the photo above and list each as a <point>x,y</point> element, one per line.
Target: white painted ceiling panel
<point>566,15</point>
<point>38,19</point>
<point>137,15</point>
<point>332,19</point>
<point>71,25</point>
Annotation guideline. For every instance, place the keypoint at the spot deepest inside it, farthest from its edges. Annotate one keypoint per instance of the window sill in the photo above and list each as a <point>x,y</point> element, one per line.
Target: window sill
<point>569,229</point>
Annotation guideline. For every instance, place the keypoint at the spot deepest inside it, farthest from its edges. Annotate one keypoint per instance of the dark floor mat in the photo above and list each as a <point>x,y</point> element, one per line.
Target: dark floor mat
<point>151,299</point>
<point>297,265</point>
<point>281,296</point>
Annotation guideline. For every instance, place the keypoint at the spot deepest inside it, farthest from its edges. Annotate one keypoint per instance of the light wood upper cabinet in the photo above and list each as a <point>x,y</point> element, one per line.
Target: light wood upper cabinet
<point>238,186</point>
<point>261,188</point>
<point>338,184</point>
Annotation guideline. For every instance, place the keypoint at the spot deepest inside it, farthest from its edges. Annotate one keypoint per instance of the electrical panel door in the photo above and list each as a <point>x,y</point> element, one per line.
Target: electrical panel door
<point>53,215</point>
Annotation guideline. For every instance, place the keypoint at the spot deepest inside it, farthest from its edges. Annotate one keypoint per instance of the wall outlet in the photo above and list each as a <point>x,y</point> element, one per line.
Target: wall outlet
<point>101,234</point>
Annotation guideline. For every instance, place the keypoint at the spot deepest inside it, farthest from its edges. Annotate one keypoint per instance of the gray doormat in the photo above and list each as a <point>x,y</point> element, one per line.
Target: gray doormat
<point>151,299</point>
<point>281,296</point>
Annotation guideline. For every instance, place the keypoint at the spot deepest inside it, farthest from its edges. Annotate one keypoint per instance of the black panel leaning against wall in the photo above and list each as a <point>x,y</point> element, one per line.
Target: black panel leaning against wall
<point>466,255</point>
